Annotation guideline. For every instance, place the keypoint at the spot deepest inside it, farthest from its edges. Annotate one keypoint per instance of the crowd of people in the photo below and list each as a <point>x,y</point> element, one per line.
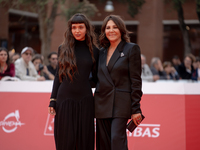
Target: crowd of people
<point>189,69</point>
<point>115,72</point>
<point>28,66</point>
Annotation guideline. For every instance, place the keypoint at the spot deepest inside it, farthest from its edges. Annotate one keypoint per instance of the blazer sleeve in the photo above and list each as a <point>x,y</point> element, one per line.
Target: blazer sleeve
<point>135,77</point>
<point>56,82</point>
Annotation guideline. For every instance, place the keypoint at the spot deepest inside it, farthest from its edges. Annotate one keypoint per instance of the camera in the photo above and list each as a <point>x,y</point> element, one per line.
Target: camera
<point>41,67</point>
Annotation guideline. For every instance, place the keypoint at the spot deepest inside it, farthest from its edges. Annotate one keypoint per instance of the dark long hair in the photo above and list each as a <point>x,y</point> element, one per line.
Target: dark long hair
<point>104,42</point>
<point>8,59</point>
<point>67,59</point>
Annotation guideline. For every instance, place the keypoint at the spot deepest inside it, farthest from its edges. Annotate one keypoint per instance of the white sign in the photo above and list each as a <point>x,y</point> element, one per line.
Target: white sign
<point>146,130</point>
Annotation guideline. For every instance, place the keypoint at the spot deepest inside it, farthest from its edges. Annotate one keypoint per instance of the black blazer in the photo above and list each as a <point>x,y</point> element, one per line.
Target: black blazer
<point>118,91</point>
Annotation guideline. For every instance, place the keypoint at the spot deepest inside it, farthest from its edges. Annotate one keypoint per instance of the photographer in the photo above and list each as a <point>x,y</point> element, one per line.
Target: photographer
<point>41,68</point>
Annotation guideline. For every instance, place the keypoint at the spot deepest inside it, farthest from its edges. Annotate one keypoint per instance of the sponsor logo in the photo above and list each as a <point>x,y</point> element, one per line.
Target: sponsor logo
<point>143,130</point>
<point>49,128</point>
<point>8,125</point>
<point>146,130</point>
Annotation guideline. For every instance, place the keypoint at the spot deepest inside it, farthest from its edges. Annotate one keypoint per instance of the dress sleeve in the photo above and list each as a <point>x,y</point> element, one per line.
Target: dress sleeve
<point>56,82</point>
<point>135,78</point>
<point>93,75</point>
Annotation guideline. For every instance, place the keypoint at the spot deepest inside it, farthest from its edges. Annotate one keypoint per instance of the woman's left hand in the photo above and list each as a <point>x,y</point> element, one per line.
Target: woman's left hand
<point>51,111</point>
<point>137,118</point>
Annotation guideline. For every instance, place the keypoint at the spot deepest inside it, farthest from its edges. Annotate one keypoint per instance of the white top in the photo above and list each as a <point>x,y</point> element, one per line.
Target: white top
<point>146,73</point>
<point>21,70</point>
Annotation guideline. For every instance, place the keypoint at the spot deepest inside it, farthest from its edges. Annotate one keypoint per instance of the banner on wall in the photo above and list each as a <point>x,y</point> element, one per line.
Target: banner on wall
<point>25,122</point>
<point>11,122</point>
<point>143,130</point>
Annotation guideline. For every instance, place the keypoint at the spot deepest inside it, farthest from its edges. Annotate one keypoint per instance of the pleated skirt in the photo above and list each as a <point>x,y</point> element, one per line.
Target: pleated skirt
<point>74,124</point>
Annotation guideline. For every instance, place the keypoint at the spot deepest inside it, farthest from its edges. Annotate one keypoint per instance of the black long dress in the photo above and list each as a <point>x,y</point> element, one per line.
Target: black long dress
<point>74,120</point>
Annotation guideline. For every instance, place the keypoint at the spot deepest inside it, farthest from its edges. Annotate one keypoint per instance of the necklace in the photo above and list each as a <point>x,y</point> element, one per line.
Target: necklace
<point>3,69</point>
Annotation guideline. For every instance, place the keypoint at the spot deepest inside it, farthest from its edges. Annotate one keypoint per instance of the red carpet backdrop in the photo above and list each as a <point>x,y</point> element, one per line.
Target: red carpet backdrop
<point>172,112</point>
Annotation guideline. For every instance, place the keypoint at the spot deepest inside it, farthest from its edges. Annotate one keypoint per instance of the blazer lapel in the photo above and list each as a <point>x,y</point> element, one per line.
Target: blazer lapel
<point>103,66</point>
<point>116,55</point>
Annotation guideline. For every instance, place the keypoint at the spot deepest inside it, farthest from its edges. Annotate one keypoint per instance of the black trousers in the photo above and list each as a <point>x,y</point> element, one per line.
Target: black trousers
<point>111,134</point>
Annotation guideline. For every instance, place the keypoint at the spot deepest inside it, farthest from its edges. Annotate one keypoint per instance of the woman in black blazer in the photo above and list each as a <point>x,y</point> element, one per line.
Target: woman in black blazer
<point>118,91</point>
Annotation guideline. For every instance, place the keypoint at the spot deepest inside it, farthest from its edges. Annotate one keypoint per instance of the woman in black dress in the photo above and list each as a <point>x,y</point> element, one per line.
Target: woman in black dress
<point>71,99</point>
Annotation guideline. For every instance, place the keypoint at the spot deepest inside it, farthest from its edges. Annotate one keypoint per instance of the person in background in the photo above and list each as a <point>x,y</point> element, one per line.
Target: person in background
<point>171,72</point>
<point>186,69</point>
<point>195,66</point>
<point>176,62</point>
<point>11,53</point>
<point>24,68</point>
<point>41,68</point>
<point>53,62</point>
<point>146,72</point>
<point>198,68</point>
<point>15,57</point>
<point>157,69</point>
<point>6,68</point>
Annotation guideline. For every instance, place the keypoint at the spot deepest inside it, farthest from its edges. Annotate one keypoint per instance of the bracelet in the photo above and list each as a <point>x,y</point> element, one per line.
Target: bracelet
<point>52,99</point>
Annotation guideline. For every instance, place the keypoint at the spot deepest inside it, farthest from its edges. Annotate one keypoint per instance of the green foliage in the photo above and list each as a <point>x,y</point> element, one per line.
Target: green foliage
<point>198,5</point>
<point>176,3</point>
<point>134,6</point>
<point>198,2</point>
<point>83,7</point>
<point>33,3</point>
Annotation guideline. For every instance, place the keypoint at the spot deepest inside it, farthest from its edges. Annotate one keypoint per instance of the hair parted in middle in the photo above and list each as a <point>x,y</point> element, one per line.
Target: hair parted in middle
<point>104,42</point>
<point>67,59</point>
<point>8,59</point>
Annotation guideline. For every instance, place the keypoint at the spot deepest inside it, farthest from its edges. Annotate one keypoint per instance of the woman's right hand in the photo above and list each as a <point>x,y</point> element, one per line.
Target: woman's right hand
<point>51,111</point>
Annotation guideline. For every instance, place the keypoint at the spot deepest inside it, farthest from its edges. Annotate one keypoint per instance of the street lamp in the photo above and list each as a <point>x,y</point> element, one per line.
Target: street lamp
<point>109,6</point>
